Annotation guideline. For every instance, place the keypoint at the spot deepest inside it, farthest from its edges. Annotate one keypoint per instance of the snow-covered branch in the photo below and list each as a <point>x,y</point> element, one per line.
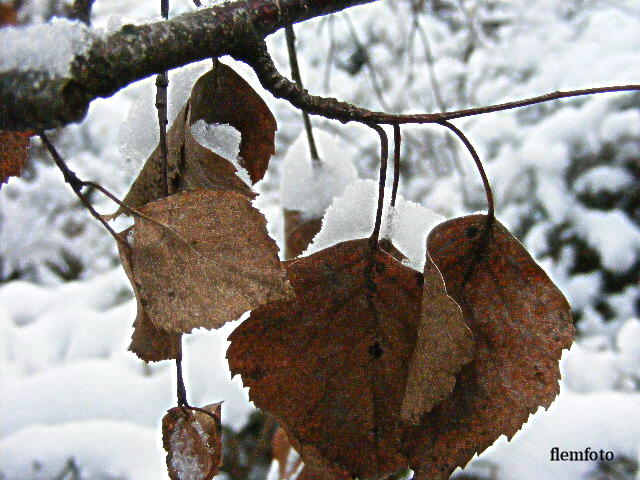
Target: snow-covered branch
<point>46,84</point>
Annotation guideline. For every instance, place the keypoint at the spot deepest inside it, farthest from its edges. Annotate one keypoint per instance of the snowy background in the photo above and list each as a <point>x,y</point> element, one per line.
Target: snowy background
<point>74,404</point>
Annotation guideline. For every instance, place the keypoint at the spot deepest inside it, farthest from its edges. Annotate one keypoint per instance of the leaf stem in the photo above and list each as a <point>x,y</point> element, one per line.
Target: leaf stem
<point>181,390</point>
<point>384,156</point>
<point>397,140</point>
<point>476,159</point>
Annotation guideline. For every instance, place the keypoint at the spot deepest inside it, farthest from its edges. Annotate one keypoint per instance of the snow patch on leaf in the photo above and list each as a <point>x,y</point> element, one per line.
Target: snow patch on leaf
<point>352,215</point>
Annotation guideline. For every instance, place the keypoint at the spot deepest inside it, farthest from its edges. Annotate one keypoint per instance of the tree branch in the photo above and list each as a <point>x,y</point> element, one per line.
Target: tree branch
<point>35,100</point>
<point>259,59</point>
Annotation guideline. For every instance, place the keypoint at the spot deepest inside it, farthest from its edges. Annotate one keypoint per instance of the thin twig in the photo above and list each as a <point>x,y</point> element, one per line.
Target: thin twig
<point>259,59</point>
<point>295,74</point>
<point>397,139</point>
<point>330,54</point>
<point>476,159</point>
<point>162,84</point>
<point>368,62</point>
<point>384,156</point>
<point>75,183</point>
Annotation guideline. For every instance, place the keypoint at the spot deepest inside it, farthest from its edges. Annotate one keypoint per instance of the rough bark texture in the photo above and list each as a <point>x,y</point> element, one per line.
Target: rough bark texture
<point>31,100</point>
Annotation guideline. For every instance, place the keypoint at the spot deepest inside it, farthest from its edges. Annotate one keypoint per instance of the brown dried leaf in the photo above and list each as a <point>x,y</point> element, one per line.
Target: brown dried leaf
<point>443,346</point>
<point>148,342</point>
<point>229,99</point>
<point>202,258</point>
<point>8,16</point>
<point>332,366</point>
<point>13,153</point>
<point>191,165</point>
<point>298,232</point>
<point>193,442</point>
<point>521,323</point>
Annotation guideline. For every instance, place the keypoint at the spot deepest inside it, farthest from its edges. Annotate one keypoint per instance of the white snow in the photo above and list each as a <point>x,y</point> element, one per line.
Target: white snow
<point>612,423</point>
<point>100,449</point>
<point>49,47</point>
<point>604,178</point>
<point>139,135</point>
<point>352,215</point>
<point>307,187</point>
<point>612,234</point>
<point>223,140</point>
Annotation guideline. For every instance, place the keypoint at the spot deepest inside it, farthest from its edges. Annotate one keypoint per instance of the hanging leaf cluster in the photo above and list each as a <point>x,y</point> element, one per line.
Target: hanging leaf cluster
<point>201,255</point>
<point>374,368</point>
<point>369,366</point>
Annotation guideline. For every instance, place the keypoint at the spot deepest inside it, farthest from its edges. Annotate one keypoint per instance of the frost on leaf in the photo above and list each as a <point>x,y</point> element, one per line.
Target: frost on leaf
<point>193,442</point>
<point>332,365</point>
<point>443,346</point>
<point>13,153</point>
<point>521,323</point>
<point>203,257</point>
<point>219,96</point>
<point>148,342</point>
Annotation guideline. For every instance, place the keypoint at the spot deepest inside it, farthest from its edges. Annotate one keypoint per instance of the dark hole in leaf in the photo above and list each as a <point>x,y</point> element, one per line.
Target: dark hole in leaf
<point>376,350</point>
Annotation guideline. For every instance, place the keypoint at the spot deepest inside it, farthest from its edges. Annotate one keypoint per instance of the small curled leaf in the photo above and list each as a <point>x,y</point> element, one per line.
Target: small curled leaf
<point>193,441</point>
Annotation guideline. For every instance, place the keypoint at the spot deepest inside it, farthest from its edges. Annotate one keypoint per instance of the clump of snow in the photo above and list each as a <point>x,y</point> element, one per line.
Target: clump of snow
<point>604,178</point>
<point>140,134</point>
<point>50,47</point>
<point>612,234</point>
<point>223,140</point>
<point>181,81</point>
<point>352,215</point>
<point>308,187</point>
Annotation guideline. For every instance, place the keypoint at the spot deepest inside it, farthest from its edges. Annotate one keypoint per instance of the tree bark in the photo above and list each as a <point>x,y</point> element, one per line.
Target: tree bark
<point>35,100</point>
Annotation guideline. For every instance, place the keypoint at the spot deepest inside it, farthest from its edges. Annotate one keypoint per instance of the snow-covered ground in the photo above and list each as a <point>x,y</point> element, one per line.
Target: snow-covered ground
<point>566,176</point>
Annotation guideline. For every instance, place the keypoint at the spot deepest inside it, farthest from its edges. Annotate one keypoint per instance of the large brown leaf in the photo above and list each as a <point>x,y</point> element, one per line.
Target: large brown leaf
<point>444,345</point>
<point>521,323</point>
<point>13,153</point>
<point>203,257</point>
<point>219,96</point>
<point>332,366</point>
<point>193,441</point>
<point>148,342</point>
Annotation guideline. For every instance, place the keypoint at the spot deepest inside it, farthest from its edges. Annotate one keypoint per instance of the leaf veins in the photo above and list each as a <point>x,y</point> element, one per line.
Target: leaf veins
<point>203,257</point>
